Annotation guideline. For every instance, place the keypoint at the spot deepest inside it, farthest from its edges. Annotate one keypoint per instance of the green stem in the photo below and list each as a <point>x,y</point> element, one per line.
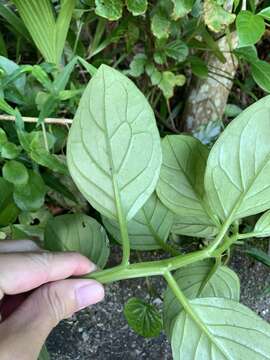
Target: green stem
<point>210,274</point>
<point>247,235</point>
<point>45,136</point>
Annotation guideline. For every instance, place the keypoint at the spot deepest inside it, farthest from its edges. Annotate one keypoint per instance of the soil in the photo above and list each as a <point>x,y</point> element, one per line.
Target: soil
<point>101,332</point>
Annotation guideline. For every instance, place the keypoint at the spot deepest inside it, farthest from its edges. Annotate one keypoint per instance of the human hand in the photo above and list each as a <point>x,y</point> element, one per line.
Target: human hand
<point>23,268</point>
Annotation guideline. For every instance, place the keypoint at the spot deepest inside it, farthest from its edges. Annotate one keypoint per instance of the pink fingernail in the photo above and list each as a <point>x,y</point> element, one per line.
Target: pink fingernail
<point>89,294</point>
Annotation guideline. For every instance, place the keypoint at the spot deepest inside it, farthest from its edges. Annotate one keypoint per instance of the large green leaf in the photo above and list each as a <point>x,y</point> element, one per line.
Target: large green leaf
<point>220,329</point>
<point>78,232</point>
<point>113,150</point>
<point>238,167</point>
<point>200,227</point>
<point>194,282</point>
<point>250,28</point>
<point>150,226</point>
<point>260,71</point>
<point>143,318</point>
<point>180,186</point>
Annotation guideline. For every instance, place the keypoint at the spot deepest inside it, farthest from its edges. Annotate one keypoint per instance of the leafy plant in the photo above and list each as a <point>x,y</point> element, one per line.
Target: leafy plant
<point>201,310</point>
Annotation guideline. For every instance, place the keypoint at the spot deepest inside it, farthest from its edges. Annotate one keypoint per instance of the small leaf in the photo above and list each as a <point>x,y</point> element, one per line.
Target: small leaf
<point>262,227</point>
<point>181,8</point>
<point>168,82</point>
<point>106,159</point>
<point>44,355</point>
<point>248,53</point>
<point>8,209</point>
<point>10,150</point>
<point>177,50</point>
<point>238,169</point>
<point>109,9</point>
<point>15,172</point>
<point>180,186</point>
<point>150,226</point>
<point>160,24</point>
<point>193,281</point>
<point>143,317</point>
<point>32,232</point>
<point>30,197</point>
<point>250,28</point>
<point>137,65</point>
<point>260,71</point>
<point>78,232</point>
<point>9,67</point>
<point>232,110</point>
<point>198,67</point>
<point>137,7</point>
<point>3,138</point>
<point>265,13</point>
<point>259,255</point>
<point>215,17</point>
<point>221,329</point>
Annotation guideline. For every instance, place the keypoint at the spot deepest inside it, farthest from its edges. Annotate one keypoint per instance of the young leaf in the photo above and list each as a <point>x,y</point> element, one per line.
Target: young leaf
<point>259,255</point>
<point>143,317</point>
<point>216,17</point>
<point>236,178</point>
<point>148,229</point>
<point>265,13</point>
<point>78,232</point>
<point>262,227</point>
<point>15,172</point>
<point>137,7</point>
<point>194,282</point>
<point>30,197</point>
<point>110,9</point>
<point>160,24</point>
<point>260,71</point>
<point>250,28</point>
<point>8,209</point>
<point>220,329</point>
<point>181,8</point>
<point>137,65</point>
<point>113,123</point>
<point>10,150</point>
<point>44,355</point>
<point>177,50</point>
<point>168,82</point>
<point>180,186</point>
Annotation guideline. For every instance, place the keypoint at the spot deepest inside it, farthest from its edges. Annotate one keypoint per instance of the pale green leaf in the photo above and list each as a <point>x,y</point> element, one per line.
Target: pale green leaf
<point>137,65</point>
<point>176,50</point>
<point>137,7</point>
<point>109,9</point>
<point>199,226</point>
<point>216,17</point>
<point>149,227</point>
<point>113,123</point>
<point>262,227</point>
<point>181,8</point>
<point>160,24</point>
<point>169,81</point>
<point>143,318</point>
<point>265,13</point>
<point>9,67</point>
<point>180,186</point>
<point>220,329</point>
<point>238,166</point>
<point>194,282</point>
<point>250,28</point>
<point>260,71</point>
<point>80,233</point>
<point>10,150</point>
<point>15,172</point>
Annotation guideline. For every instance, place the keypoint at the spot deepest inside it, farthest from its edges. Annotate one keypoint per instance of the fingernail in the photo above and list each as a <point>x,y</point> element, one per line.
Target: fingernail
<point>89,294</point>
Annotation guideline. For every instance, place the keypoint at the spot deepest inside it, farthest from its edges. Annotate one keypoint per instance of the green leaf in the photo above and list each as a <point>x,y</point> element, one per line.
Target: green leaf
<point>198,67</point>
<point>143,318</point>
<point>10,150</point>
<point>9,67</point>
<point>3,137</point>
<point>109,9</point>
<point>177,50</point>
<point>250,28</point>
<point>150,226</point>
<point>181,8</point>
<point>215,17</point>
<point>194,282</point>
<point>51,161</point>
<point>78,232</point>
<point>232,110</point>
<point>168,82</point>
<point>8,209</point>
<point>180,185</point>
<point>259,255</point>
<point>44,355</point>
<point>137,7</point>
<point>248,53</point>
<point>201,226</point>
<point>220,329</point>
<point>260,71</point>
<point>30,197</point>
<point>15,172</point>
<point>262,227</point>
<point>238,167</point>
<point>21,232</point>
<point>106,159</point>
<point>265,13</point>
<point>137,65</point>
<point>160,24</point>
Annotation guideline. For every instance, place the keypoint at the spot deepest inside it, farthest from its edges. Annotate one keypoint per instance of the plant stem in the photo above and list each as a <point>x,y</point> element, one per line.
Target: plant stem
<point>34,120</point>
<point>246,235</point>
<point>45,136</point>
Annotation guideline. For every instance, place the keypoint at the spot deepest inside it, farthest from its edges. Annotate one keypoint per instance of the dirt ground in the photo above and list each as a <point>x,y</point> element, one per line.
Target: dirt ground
<point>101,332</point>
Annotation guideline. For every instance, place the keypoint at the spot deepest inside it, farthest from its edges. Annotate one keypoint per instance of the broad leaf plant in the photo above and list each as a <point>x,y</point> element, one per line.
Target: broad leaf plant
<point>145,188</point>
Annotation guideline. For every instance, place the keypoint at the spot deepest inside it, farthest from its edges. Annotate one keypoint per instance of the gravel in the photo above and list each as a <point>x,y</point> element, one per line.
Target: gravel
<point>101,332</point>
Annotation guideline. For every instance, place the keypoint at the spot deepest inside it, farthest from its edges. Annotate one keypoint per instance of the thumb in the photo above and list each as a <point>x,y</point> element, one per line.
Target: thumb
<point>24,332</point>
